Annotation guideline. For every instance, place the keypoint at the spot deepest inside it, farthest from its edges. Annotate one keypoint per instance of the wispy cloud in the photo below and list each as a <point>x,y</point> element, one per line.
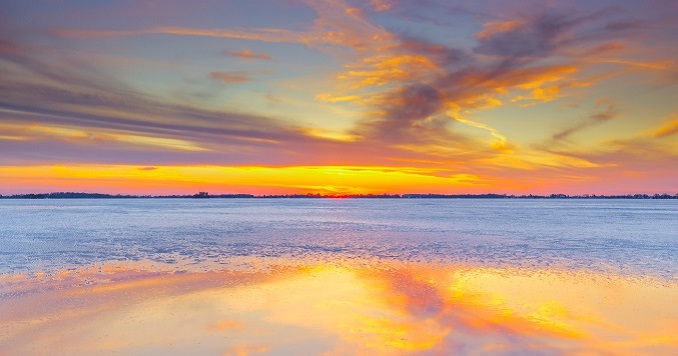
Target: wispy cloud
<point>534,36</point>
<point>231,77</point>
<point>382,5</point>
<point>606,110</point>
<point>668,129</point>
<point>247,54</point>
<point>263,34</point>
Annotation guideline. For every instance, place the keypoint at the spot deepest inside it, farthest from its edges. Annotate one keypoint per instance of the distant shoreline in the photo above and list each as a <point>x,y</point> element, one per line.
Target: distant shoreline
<point>205,195</point>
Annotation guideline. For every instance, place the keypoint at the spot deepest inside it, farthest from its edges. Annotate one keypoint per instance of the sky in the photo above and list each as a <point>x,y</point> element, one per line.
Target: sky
<point>339,97</point>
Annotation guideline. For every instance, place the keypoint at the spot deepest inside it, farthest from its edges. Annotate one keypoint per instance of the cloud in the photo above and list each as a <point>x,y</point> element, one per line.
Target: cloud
<point>426,109</point>
<point>231,77</point>
<point>114,124</point>
<point>400,65</point>
<point>419,96</point>
<point>381,5</point>
<point>226,325</point>
<point>337,24</point>
<point>638,162</point>
<point>67,111</point>
<point>261,34</point>
<point>494,28</point>
<point>441,13</point>
<point>606,111</point>
<point>668,129</point>
<point>247,54</point>
<point>538,35</point>
<point>7,46</point>
<point>623,25</point>
<point>389,59</point>
<point>414,90</point>
<point>406,115</point>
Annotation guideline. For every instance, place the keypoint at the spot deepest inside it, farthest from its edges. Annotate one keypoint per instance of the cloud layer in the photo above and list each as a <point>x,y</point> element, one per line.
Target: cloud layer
<point>333,83</point>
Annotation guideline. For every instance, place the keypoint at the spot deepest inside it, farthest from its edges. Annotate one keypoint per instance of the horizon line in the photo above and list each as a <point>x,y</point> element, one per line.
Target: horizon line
<point>207,195</point>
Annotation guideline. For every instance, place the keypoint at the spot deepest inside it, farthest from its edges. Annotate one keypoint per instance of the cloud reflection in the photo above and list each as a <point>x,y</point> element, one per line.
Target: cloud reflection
<point>337,310</point>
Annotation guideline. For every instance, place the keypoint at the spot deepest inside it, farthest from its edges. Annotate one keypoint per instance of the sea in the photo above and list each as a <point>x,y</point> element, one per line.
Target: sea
<point>627,236</point>
<point>308,276</point>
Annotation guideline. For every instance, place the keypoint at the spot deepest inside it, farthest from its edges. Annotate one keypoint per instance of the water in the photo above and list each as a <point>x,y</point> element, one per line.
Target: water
<point>637,237</point>
<point>326,276</point>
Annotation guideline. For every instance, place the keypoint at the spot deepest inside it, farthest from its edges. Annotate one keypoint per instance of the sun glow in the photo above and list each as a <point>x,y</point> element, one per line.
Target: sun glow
<point>326,180</point>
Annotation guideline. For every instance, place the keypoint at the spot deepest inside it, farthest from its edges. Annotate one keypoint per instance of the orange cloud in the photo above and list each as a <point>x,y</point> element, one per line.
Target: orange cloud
<point>493,28</point>
<point>226,325</point>
<point>668,129</point>
<point>382,69</point>
<point>249,54</point>
<point>231,77</point>
<point>381,5</point>
<point>246,350</point>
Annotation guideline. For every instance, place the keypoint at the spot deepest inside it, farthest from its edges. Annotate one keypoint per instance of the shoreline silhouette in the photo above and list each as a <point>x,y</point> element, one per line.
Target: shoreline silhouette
<point>206,195</point>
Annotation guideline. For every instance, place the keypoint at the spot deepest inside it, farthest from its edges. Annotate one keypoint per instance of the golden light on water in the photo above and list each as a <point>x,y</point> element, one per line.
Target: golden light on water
<point>338,310</point>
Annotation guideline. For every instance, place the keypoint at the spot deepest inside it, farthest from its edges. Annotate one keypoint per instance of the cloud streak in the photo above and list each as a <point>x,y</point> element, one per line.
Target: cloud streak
<point>264,34</point>
<point>668,129</point>
<point>247,54</point>
<point>231,77</point>
<point>606,111</point>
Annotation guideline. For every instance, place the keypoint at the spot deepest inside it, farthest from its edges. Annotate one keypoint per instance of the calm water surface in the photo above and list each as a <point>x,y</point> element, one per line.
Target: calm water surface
<point>338,277</point>
<point>637,236</point>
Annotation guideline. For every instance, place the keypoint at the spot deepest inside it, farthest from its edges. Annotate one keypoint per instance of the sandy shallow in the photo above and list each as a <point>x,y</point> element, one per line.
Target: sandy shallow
<point>336,310</point>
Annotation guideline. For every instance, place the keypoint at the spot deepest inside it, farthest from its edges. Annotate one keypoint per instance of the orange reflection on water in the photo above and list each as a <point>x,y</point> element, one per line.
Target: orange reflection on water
<point>337,310</point>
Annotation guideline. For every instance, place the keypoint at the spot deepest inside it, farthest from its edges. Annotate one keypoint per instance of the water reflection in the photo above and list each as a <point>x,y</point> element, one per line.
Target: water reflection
<point>337,310</point>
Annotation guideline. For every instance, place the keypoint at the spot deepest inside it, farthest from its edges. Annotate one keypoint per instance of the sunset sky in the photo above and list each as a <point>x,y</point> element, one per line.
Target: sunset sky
<point>334,97</point>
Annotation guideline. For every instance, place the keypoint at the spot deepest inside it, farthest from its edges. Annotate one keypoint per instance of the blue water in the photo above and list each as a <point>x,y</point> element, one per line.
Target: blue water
<point>639,237</point>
